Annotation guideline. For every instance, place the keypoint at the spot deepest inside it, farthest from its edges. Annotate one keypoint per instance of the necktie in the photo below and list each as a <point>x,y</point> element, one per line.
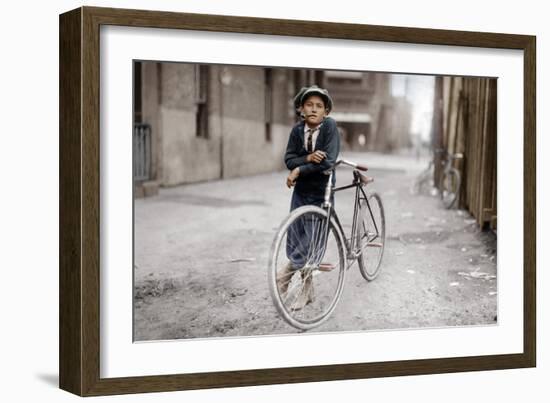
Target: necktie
<point>309,142</point>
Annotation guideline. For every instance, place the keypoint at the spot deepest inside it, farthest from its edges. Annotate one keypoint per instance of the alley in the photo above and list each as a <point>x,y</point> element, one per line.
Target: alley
<point>201,255</point>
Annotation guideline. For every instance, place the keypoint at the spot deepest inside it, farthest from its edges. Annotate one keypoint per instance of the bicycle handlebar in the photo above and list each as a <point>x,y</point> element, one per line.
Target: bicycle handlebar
<point>348,163</point>
<point>447,154</point>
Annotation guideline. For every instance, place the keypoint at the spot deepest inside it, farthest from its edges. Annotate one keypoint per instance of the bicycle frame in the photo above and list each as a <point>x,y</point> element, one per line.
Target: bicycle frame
<point>351,254</point>
<point>440,164</point>
<point>447,159</point>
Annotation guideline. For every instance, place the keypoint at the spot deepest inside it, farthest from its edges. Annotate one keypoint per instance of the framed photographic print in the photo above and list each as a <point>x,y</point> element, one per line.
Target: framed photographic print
<point>250,201</point>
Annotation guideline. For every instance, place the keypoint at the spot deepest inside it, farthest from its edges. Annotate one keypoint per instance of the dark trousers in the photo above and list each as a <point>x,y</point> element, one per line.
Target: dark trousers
<point>305,243</point>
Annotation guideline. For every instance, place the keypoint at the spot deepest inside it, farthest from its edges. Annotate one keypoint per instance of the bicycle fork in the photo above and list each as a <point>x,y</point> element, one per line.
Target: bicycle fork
<point>327,205</point>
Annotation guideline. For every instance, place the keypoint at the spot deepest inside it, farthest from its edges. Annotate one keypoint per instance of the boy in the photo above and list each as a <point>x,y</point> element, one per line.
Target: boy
<point>313,147</point>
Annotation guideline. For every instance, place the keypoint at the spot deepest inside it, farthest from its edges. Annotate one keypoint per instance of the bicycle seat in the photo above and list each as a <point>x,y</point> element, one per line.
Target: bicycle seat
<point>363,178</point>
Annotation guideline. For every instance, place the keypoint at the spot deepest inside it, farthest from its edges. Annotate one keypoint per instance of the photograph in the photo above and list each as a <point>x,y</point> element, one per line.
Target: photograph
<point>238,209</point>
<point>273,201</point>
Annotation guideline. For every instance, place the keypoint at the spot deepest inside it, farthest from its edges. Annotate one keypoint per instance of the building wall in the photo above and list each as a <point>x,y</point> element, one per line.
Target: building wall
<point>186,157</point>
<point>150,110</point>
<point>469,128</point>
<point>236,144</point>
<point>387,119</point>
<point>402,117</point>
<point>246,150</point>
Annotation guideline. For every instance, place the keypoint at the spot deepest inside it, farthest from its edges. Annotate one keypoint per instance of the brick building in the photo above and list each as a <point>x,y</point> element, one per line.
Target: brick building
<point>195,122</point>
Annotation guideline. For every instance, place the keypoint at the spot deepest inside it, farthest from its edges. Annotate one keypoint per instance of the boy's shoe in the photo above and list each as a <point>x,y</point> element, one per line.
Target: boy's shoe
<point>283,278</point>
<point>307,294</point>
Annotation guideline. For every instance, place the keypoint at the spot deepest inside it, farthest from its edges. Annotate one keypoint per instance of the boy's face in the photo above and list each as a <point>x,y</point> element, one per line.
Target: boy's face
<point>314,110</point>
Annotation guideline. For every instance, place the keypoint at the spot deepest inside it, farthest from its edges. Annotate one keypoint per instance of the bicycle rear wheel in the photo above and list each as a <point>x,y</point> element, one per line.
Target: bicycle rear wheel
<point>371,235</point>
<point>450,186</point>
<point>306,264</point>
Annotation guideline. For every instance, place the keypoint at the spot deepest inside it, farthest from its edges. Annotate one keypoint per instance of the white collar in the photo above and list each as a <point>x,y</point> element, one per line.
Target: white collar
<point>314,129</point>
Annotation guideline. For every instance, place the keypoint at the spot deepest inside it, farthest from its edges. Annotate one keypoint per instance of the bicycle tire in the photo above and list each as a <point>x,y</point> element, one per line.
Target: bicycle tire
<point>450,186</point>
<point>328,285</point>
<point>370,259</point>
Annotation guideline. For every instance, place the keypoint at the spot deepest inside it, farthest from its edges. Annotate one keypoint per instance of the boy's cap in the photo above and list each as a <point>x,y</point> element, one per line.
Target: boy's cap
<point>306,92</point>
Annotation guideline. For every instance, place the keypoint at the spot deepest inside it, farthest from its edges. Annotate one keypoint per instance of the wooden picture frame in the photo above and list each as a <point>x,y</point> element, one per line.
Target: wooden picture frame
<point>80,199</point>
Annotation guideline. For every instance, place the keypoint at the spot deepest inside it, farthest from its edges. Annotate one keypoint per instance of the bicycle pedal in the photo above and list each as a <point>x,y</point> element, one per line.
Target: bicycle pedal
<point>326,267</point>
<point>375,245</point>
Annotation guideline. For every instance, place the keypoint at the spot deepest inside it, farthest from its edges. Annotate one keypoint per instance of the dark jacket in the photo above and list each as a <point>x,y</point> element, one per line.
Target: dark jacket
<point>312,180</point>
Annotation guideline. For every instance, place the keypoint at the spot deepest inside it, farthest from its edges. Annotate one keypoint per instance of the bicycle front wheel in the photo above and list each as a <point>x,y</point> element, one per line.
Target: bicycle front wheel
<point>424,183</point>
<point>450,185</point>
<point>306,269</point>
<point>371,235</point>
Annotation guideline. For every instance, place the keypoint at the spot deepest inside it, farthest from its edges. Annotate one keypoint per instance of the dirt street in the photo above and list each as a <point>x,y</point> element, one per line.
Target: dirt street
<point>201,255</point>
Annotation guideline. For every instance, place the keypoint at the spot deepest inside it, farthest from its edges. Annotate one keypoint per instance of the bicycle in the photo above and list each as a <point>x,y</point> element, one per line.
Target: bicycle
<point>424,181</point>
<point>448,181</point>
<point>315,235</point>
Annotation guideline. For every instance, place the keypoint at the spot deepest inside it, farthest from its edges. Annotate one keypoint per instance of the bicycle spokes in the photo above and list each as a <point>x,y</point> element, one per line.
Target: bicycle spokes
<point>371,233</point>
<point>307,240</point>
<point>312,286</point>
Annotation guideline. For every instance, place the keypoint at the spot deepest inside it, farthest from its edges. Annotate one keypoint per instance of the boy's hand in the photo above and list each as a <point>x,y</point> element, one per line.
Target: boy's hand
<point>316,156</point>
<point>292,176</point>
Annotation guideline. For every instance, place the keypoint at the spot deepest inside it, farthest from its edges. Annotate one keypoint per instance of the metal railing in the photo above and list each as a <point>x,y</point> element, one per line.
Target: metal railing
<point>142,152</point>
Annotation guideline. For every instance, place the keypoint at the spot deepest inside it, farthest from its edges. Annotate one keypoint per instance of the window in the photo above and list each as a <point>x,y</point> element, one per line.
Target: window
<point>202,73</point>
<point>137,92</point>
<point>268,103</point>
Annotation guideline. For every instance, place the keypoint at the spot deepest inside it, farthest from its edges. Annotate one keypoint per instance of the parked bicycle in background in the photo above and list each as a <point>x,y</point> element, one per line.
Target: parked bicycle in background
<point>446,181</point>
